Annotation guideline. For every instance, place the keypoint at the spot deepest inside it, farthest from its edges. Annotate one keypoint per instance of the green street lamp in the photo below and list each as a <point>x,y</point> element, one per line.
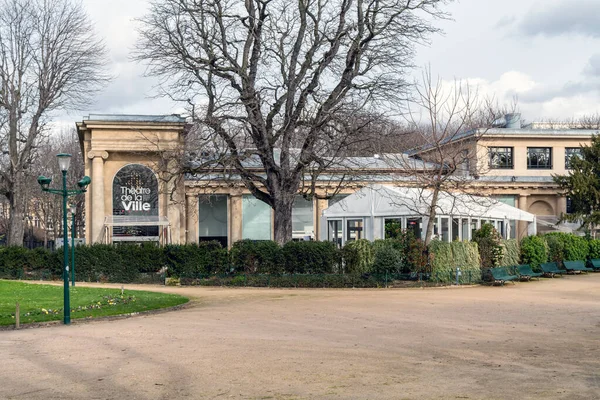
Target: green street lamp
<point>64,160</point>
<point>73,210</point>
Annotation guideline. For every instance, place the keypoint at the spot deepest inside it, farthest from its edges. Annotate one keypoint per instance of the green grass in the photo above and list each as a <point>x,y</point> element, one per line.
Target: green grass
<point>40,303</point>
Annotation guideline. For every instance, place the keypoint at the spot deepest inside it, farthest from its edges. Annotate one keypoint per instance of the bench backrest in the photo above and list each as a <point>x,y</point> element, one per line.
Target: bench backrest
<point>574,264</point>
<point>596,262</point>
<point>524,269</point>
<point>549,267</point>
<point>500,272</point>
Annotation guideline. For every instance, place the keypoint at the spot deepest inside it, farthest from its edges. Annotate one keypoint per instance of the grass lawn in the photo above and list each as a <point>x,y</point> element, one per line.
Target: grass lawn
<point>45,302</point>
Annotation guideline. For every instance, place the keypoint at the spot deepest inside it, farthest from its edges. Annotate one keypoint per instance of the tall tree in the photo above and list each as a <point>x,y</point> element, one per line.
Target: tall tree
<point>449,119</point>
<point>582,186</point>
<point>272,80</point>
<point>50,60</point>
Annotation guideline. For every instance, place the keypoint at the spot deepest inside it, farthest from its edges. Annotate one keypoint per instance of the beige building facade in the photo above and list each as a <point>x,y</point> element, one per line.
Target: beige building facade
<point>137,194</point>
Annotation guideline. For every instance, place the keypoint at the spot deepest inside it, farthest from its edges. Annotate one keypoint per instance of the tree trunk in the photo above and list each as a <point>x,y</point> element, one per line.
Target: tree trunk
<point>282,210</point>
<point>16,224</point>
<point>432,215</point>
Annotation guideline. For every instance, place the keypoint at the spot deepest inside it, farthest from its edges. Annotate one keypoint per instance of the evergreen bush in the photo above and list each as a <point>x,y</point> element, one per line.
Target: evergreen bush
<point>534,251</point>
<point>594,248</point>
<point>511,252</point>
<point>358,256</point>
<point>256,256</point>
<point>192,260</point>
<point>310,257</point>
<point>490,246</point>
<point>387,260</point>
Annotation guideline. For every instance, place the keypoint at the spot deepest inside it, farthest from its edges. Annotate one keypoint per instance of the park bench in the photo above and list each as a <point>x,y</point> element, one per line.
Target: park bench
<point>595,264</point>
<point>576,266</point>
<point>501,275</point>
<point>551,269</point>
<point>525,272</point>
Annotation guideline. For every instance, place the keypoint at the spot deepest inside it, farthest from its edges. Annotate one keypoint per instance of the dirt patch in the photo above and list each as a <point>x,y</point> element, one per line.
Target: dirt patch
<point>532,340</point>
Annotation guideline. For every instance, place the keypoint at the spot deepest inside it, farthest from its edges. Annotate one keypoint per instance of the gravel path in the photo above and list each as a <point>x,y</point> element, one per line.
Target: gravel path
<point>536,340</point>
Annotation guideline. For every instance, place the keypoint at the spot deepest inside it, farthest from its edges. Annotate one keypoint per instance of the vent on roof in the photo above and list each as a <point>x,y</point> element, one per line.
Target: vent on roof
<point>513,121</point>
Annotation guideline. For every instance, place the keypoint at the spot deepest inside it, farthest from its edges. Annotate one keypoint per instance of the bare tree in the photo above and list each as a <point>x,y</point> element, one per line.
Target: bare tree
<point>269,80</point>
<point>50,60</point>
<point>449,119</point>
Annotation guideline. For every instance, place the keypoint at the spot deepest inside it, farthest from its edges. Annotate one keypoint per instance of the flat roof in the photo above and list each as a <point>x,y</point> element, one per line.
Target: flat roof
<point>173,118</point>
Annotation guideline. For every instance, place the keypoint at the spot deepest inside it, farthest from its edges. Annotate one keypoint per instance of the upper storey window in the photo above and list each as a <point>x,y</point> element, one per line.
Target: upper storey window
<point>571,152</point>
<point>501,157</point>
<point>539,157</point>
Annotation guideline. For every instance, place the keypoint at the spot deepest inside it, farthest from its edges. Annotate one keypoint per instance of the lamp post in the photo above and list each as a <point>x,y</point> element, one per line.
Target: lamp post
<point>73,210</point>
<point>64,160</point>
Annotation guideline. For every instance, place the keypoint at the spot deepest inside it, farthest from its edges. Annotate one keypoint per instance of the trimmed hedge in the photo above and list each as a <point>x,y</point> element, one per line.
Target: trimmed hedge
<point>358,256</point>
<point>256,256</point>
<point>445,257</point>
<point>310,257</point>
<point>594,248</point>
<point>573,247</point>
<point>195,259</point>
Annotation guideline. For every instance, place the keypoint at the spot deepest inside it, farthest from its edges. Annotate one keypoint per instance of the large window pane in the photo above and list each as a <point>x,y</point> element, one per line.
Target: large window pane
<point>212,218</point>
<point>455,228</point>
<point>302,218</point>
<point>335,232</point>
<point>465,229</point>
<point>256,219</point>
<point>571,152</point>
<point>539,157</point>
<point>501,157</point>
<point>354,229</point>
<point>445,230</point>
<point>414,225</point>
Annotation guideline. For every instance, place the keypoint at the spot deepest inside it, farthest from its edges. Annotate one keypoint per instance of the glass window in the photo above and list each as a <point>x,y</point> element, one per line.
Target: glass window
<point>455,228</point>
<point>569,206</point>
<point>513,229</point>
<point>302,218</point>
<point>506,199</point>
<point>539,157</point>
<point>414,225</point>
<point>354,229</point>
<point>473,226</point>
<point>335,232</point>
<point>393,228</point>
<point>212,218</point>
<point>571,152</point>
<point>501,229</point>
<point>445,230</point>
<point>501,157</point>
<point>465,229</point>
<point>256,219</point>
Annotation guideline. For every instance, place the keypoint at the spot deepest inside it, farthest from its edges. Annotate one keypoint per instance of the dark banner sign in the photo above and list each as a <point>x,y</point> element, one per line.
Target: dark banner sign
<point>135,193</point>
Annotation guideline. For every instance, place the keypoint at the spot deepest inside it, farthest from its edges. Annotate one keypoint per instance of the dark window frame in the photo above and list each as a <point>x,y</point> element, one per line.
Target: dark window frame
<point>569,153</point>
<point>502,151</point>
<point>546,151</point>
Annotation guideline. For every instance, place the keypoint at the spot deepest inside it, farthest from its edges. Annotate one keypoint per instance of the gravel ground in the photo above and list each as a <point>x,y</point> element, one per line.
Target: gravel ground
<point>535,340</point>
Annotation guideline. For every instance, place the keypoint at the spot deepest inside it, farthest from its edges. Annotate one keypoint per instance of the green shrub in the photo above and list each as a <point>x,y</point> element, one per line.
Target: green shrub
<point>145,258</point>
<point>256,256</point>
<point>490,246</point>
<point>393,229</point>
<point>594,250</point>
<point>573,247</point>
<point>192,260</point>
<point>445,257</point>
<point>310,257</point>
<point>358,256</point>
<point>556,248</point>
<point>387,260</point>
<point>511,253</point>
<point>534,251</point>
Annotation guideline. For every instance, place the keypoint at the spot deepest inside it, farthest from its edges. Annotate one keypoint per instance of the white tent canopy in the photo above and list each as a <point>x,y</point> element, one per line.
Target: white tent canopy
<point>375,203</point>
<point>385,200</point>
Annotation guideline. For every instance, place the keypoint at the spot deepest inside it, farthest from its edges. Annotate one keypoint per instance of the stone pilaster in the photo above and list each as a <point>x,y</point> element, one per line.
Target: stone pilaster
<point>236,217</point>
<point>97,197</point>
<point>191,213</point>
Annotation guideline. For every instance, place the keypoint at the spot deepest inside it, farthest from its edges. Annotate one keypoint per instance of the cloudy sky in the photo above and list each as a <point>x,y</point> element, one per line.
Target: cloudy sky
<point>546,53</point>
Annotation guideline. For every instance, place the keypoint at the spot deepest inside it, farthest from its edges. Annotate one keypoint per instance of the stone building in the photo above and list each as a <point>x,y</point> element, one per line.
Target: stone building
<point>137,194</point>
